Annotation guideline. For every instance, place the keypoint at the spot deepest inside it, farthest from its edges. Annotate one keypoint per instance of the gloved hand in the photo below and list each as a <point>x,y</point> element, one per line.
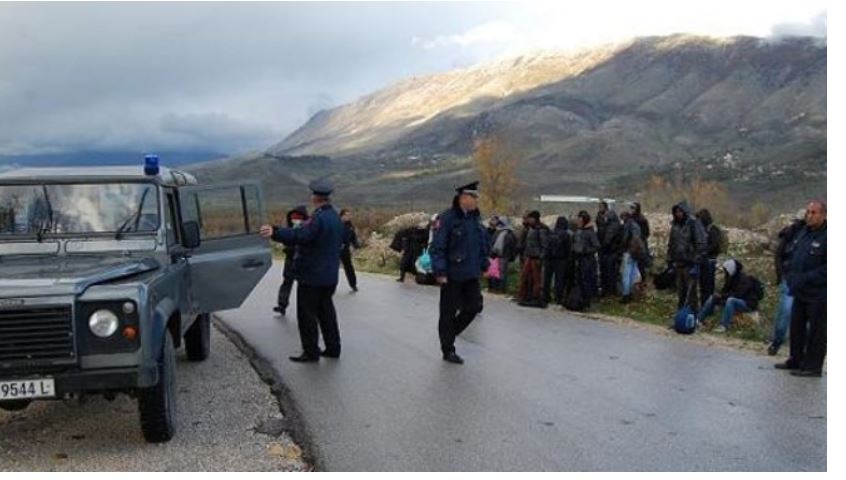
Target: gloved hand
<point>694,271</point>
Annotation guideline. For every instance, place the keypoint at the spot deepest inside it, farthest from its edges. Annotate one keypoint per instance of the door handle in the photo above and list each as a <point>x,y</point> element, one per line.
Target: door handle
<point>252,263</point>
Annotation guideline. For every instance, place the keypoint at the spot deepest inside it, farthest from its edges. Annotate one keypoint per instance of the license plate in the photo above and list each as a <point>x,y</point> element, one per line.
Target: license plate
<point>20,389</point>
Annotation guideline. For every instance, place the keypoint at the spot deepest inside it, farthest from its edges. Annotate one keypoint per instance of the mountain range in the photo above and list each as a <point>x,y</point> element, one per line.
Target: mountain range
<point>748,112</point>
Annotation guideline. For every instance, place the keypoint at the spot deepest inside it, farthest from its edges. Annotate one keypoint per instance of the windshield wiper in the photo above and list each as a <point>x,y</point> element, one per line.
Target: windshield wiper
<point>45,228</point>
<point>132,218</point>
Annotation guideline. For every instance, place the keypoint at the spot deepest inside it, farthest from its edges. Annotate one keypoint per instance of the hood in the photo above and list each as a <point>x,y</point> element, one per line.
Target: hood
<point>733,267</point>
<point>41,276</point>
<point>301,209</point>
<point>611,216</point>
<point>684,208</point>
<point>562,224</point>
<point>705,217</point>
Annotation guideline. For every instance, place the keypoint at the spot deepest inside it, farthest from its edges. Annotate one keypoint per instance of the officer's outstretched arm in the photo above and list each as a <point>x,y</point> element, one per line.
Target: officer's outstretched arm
<point>303,235</point>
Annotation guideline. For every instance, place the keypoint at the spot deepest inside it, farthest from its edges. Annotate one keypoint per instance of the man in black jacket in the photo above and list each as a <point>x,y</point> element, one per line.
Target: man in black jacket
<point>785,299</point>
<point>610,233</point>
<point>686,251</point>
<point>739,295</point>
<point>556,261</point>
<point>350,240</point>
<point>805,272</point>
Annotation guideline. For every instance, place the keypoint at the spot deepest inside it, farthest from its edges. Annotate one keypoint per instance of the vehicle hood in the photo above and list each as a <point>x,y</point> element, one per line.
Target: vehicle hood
<point>51,275</point>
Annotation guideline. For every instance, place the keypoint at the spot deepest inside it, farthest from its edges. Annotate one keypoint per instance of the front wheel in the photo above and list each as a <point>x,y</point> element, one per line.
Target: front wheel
<point>157,404</point>
<point>198,339</point>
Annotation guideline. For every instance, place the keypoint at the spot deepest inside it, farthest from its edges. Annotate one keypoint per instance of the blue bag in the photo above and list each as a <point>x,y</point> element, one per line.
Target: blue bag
<point>684,321</point>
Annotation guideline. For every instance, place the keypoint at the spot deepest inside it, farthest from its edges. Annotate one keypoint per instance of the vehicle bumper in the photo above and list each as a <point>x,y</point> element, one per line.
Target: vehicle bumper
<point>99,380</point>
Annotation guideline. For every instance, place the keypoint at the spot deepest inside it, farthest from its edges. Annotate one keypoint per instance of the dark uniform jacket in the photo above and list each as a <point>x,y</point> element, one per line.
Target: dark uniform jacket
<point>688,244</point>
<point>806,267</point>
<point>350,239</point>
<point>319,240</point>
<point>785,239</point>
<point>460,247</point>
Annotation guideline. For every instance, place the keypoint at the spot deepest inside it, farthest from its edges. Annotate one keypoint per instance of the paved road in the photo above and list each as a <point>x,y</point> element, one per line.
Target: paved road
<point>541,390</point>
<point>221,401</point>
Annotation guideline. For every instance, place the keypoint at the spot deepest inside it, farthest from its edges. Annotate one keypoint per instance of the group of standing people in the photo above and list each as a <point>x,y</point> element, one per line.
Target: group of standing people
<point>575,261</point>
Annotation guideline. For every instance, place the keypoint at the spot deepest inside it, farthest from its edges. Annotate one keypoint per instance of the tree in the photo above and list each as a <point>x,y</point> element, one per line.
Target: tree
<point>496,164</point>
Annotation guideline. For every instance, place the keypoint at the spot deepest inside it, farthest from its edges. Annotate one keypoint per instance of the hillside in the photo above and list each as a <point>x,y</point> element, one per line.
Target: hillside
<point>745,111</point>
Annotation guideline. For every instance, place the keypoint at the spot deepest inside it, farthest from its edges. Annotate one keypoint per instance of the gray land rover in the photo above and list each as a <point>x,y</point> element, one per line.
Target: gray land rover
<point>105,272</point>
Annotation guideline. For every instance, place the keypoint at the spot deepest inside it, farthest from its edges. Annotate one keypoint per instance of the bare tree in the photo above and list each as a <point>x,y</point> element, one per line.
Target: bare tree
<point>496,163</point>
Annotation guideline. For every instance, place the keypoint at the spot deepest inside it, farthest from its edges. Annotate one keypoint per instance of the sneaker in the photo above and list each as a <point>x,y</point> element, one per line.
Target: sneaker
<point>279,310</point>
<point>772,350</point>
<point>719,329</point>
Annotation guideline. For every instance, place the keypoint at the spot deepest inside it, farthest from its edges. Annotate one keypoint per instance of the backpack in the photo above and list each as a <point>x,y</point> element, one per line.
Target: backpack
<point>684,321</point>
<point>665,280</point>
<point>559,244</point>
<point>575,299</point>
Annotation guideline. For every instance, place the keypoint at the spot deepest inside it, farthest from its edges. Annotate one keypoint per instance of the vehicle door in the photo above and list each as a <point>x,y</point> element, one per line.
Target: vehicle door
<point>231,257</point>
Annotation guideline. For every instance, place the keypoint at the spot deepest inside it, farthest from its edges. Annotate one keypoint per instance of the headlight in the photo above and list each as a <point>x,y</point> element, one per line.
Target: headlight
<point>103,323</point>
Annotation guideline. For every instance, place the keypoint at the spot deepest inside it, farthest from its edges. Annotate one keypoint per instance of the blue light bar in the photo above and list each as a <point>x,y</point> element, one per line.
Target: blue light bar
<point>151,164</point>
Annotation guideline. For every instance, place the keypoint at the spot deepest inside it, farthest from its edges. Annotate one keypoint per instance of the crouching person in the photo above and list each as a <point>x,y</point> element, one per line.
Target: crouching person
<point>740,294</point>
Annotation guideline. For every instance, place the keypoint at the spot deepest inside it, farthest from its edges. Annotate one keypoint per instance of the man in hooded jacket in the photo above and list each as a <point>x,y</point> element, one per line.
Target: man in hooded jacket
<point>686,251</point>
<point>738,295</point>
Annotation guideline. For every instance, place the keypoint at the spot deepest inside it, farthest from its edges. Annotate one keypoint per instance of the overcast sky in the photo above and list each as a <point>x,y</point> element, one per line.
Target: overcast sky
<point>234,77</point>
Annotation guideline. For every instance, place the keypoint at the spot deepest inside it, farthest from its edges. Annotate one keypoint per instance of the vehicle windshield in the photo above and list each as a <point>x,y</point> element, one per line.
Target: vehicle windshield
<point>39,209</point>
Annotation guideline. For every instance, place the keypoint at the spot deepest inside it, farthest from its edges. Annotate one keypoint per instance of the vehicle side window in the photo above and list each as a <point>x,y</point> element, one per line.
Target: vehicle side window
<point>253,208</point>
<point>219,211</point>
<point>170,220</point>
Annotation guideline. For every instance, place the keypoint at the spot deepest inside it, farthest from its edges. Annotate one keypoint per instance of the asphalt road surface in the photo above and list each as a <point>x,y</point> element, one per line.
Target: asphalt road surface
<point>221,402</point>
<point>540,390</point>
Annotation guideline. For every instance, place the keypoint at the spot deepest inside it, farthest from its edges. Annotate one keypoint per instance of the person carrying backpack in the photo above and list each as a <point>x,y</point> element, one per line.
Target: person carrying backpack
<point>686,251</point>
<point>531,276</point>
<point>715,239</point>
<point>633,252</point>
<point>504,251</point>
<point>585,246</point>
<point>740,294</point>
<point>556,261</point>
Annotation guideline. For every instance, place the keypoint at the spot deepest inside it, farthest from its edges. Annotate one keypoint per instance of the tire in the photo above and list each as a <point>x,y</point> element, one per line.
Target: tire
<point>198,339</point>
<point>157,404</point>
<point>14,405</point>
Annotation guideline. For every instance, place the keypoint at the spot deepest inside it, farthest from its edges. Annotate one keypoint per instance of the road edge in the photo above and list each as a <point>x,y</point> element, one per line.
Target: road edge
<point>295,422</point>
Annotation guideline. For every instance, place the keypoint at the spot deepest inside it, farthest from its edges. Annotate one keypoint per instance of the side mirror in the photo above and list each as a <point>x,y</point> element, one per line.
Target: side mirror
<point>190,234</point>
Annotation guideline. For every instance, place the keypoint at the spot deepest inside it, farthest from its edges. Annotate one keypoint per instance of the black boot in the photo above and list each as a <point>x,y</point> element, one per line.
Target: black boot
<point>453,357</point>
<point>304,358</point>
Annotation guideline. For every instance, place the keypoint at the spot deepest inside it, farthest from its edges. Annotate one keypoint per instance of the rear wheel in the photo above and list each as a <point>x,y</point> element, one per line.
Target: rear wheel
<point>157,404</point>
<point>198,339</point>
<point>14,405</point>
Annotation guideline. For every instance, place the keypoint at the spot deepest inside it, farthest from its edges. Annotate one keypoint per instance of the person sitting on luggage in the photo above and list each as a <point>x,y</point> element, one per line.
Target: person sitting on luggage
<point>740,294</point>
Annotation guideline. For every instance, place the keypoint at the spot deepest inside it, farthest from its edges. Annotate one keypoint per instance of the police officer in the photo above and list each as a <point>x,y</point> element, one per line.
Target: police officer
<point>316,269</point>
<point>459,253</point>
<point>805,271</point>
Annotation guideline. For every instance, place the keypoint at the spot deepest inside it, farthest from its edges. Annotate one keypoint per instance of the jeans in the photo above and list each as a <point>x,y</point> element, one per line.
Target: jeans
<point>733,305</point>
<point>629,273</point>
<point>782,319</point>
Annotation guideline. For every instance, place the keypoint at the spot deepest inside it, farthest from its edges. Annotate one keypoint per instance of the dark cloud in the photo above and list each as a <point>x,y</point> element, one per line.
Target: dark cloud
<point>215,76</point>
